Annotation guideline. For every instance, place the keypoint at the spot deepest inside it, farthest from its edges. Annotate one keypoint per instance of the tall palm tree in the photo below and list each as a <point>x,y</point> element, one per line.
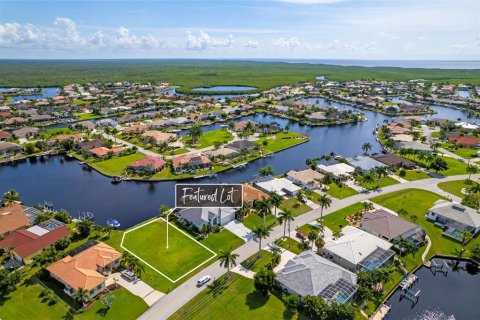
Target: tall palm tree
<point>285,217</point>
<point>366,147</point>
<point>324,202</point>
<point>367,178</point>
<point>471,169</point>
<point>312,236</point>
<point>10,197</point>
<point>80,296</point>
<point>380,172</point>
<point>265,207</point>
<point>114,132</point>
<point>319,243</point>
<point>276,200</point>
<point>261,232</point>
<point>228,259</point>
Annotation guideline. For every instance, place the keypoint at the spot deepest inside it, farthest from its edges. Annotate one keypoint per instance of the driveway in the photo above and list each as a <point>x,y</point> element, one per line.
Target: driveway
<point>239,229</point>
<point>137,287</point>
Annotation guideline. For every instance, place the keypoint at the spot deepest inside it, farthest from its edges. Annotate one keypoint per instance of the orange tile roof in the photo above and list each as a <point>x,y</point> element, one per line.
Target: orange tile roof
<point>12,218</point>
<point>251,194</point>
<point>80,271</point>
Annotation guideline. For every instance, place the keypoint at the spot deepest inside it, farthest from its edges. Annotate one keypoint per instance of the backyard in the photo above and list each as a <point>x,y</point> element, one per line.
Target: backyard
<point>340,192</point>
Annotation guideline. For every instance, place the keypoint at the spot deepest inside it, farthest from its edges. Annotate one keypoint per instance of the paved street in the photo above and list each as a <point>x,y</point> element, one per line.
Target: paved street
<point>166,306</point>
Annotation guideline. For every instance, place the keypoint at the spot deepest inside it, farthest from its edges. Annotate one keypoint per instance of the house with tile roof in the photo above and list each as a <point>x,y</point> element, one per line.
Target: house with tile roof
<point>311,274</point>
<point>12,218</point>
<point>87,270</point>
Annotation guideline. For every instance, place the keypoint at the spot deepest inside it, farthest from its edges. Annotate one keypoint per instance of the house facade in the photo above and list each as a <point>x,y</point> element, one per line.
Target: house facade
<point>200,217</point>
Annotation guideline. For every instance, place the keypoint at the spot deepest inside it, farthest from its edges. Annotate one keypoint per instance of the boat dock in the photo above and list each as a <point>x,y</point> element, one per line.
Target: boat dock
<point>411,295</point>
<point>382,311</point>
<point>408,281</point>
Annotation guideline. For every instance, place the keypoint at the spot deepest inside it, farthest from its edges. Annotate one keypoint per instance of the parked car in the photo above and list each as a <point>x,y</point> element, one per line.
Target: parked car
<point>303,198</point>
<point>129,275</point>
<point>203,280</point>
<point>301,236</point>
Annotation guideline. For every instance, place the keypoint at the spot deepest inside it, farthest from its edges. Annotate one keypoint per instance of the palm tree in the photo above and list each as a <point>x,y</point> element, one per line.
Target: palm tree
<point>114,132</point>
<point>366,206</point>
<point>266,171</point>
<point>276,200</point>
<point>366,147</point>
<point>471,169</point>
<point>401,244</point>
<point>261,232</point>
<point>380,172</point>
<point>312,236</point>
<point>195,133</point>
<point>324,202</point>
<point>10,197</point>
<point>402,212</point>
<point>80,296</point>
<point>265,207</point>
<point>164,209</point>
<point>319,243</point>
<point>228,259</point>
<point>466,238</point>
<point>286,216</point>
<point>368,178</point>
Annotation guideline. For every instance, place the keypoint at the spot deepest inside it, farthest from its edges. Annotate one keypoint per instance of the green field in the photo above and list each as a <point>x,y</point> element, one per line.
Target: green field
<point>384,182</point>
<point>336,220</point>
<point>195,73</point>
<point>279,141</point>
<point>149,243</point>
<point>412,175</point>
<point>209,138</point>
<point>455,167</point>
<point>258,261</point>
<point>254,220</point>
<point>295,206</point>
<point>454,187</point>
<point>236,299</point>
<point>116,165</point>
<point>340,193</point>
<point>289,244</point>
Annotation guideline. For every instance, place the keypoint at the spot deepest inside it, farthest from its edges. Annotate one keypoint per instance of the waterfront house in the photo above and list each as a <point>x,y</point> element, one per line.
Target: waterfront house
<point>415,145</point>
<point>106,123</point>
<point>87,270</point>
<point>85,125</point>
<point>15,121</point>
<point>42,118</point>
<point>240,126</point>
<point>222,152</point>
<point>190,162</point>
<point>9,148</point>
<point>282,186</point>
<point>454,218</point>
<point>309,274</point>
<point>242,145</point>
<point>317,116</point>
<point>200,217</point>
<point>307,179</point>
<point>12,218</point>
<point>25,243</point>
<point>102,152</point>
<point>149,164</point>
<point>340,171</point>
<point>394,161</point>
<point>76,137</point>
<point>88,145</point>
<point>252,194</point>
<point>472,142</point>
<point>390,227</point>
<point>357,250</point>
<point>4,135</point>
<point>26,132</point>
<point>158,137</point>
<point>135,129</point>
<point>365,163</point>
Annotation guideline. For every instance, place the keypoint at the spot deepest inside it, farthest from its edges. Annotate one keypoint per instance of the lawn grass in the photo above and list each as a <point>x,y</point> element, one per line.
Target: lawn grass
<point>209,138</point>
<point>462,152</point>
<point>384,182</point>
<point>295,206</point>
<point>87,116</point>
<point>167,174</point>
<point>279,141</point>
<point>236,299</point>
<point>412,175</point>
<point>116,165</point>
<point>258,261</point>
<point>306,228</point>
<point>336,220</point>
<point>455,167</point>
<point>284,243</point>
<point>340,192</point>
<point>454,187</point>
<point>222,240</point>
<point>174,152</point>
<point>149,243</point>
<point>254,220</point>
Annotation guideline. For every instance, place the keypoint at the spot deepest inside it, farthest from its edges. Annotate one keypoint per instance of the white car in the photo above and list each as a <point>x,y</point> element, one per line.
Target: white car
<point>129,275</point>
<point>203,280</point>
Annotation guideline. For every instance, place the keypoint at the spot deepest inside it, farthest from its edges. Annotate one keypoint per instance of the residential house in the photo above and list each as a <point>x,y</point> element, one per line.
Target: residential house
<point>222,152</point>
<point>252,194</point>
<point>394,161</point>
<point>364,163</point>
<point>15,121</point>
<point>240,126</point>
<point>26,132</point>
<point>308,179</point>
<point>415,145</point>
<point>27,242</point>
<point>106,123</point>
<point>9,148</point>
<point>190,162</point>
<point>317,116</point>
<point>88,145</point>
<point>85,125</point>
<point>242,145</point>
<point>200,217</point>
<point>472,142</point>
<point>4,135</point>
<point>87,270</point>
<point>339,171</point>
<point>12,218</point>
<point>358,250</point>
<point>281,186</point>
<point>149,164</point>
<point>158,137</point>
<point>135,129</point>
<point>309,274</point>
<point>390,227</point>
<point>102,152</point>
<point>42,118</point>
<point>454,218</point>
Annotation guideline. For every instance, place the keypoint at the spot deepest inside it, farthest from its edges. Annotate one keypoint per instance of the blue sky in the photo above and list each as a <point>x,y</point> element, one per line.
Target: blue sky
<point>303,29</point>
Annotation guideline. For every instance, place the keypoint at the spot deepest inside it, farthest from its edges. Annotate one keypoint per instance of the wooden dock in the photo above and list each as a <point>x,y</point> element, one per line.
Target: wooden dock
<point>408,281</point>
<point>381,312</point>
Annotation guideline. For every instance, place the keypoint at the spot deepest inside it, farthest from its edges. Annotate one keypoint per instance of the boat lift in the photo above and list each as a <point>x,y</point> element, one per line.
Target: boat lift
<point>411,295</point>
<point>442,268</point>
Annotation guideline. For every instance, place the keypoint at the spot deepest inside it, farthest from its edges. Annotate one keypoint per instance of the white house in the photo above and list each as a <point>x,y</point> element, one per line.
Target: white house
<point>281,186</point>
<point>200,217</point>
<point>339,171</point>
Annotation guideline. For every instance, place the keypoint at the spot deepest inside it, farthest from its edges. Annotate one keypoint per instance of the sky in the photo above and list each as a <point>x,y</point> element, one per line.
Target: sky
<point>280,29</point>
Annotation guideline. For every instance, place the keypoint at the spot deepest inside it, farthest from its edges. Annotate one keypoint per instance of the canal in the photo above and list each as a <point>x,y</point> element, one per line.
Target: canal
<point>69,186</point>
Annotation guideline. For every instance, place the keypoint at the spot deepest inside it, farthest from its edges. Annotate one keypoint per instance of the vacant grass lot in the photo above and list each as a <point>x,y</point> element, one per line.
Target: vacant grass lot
<point>462,152</point>
<point>295,206</point>
<point>255,219</point>
<point>384,181</point>
<point>279,141</point>
<point>116,165</point>
<point>454,187</point>
<point>149,243</point>
<point>336,220</point>
<point>412,175</point>
<point>455,167</point>
<point>235,299</point>
<point>340,192</point>
<point>289,244</point>
<point>258,261</point>
<point>209,138</point>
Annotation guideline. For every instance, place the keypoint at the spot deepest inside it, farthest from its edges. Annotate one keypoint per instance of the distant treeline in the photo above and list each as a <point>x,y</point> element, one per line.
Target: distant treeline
<point>205,73</point>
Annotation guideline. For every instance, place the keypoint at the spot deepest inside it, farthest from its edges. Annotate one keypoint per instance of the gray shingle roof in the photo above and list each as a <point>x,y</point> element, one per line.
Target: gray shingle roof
<point>456,212</point>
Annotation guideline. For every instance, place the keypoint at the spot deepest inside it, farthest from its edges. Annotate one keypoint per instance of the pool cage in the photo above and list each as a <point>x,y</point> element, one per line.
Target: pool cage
<point>377,259</point>
<point>339,292</point>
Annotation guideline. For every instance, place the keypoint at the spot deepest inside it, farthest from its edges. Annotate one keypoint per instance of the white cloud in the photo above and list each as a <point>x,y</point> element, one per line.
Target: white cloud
<point>14,34</point>
<point>387,35</point>
<point>68,34</point>
<point>251,44</point>
<point>204,41</point>
<point>289,43</point>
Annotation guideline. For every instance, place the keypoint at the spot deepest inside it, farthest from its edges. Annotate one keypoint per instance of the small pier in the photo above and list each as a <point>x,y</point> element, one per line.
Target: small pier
<point>381,313</point>
<point>442,267</point>
<point>408,282</point>
<point>411,295</point>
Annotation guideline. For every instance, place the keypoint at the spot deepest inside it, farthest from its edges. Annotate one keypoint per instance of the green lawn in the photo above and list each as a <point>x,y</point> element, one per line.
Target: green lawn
<point>280,141</point>
<point>384,181</point>
<point>306,228</point>
<point>174,152</point>
<point>222,240</point>
<point>455,167</point>
<point>340,193</point>
<point>209,138</point>
<point>258,261</point>
<point>336,220</point>
<point>116,165</point>
<point>289,244</point>
<point>454,187</point>
<point>149,243</point>
<point>254,220</point>
<point>235,299</point>
<point>87,116</point>
<point>295,206</point>
<point>462,152</point>
<point>26,303</point>
<point>167,173</point>
<point>412,175</point>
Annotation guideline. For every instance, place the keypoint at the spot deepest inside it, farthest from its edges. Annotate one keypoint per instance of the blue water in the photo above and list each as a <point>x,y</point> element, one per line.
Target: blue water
<point>47,93</point>
<point>224,88</point>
